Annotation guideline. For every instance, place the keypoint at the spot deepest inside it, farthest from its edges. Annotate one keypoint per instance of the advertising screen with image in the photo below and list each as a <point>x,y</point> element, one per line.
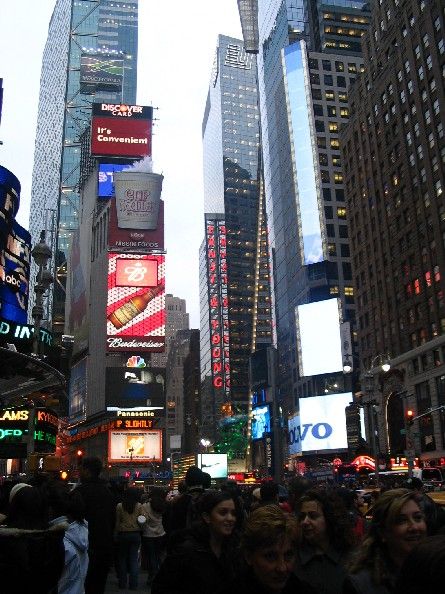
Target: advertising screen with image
<point>260,421</point>
<point>323,422</point>
<point>135,446</point>
<point>135,386</point>
<point>136,302</point>
<point>215,464</point>
<point>318,337</point>
<point>106,178</point>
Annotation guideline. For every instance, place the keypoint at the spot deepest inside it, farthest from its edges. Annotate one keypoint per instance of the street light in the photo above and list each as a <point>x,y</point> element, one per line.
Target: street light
<point>205,443</point>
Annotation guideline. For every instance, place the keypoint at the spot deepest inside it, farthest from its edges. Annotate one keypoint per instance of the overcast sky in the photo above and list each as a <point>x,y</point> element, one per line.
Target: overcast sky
<point>177,41</point>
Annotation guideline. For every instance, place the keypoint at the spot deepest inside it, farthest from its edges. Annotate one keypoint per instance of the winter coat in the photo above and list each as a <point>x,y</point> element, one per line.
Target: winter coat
<point>73,577</point>
<point>362,583</point>
<point>191,567</point>
<point>246,583</point>
<point>100,514</point>
<point>153,527</point>
<point>31,560</point>
<point>126,522</point>
<point>324,571</point>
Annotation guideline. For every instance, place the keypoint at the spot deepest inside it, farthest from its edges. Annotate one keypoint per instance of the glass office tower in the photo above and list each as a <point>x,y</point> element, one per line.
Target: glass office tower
<point>84,36</point>
<point>232,190</point>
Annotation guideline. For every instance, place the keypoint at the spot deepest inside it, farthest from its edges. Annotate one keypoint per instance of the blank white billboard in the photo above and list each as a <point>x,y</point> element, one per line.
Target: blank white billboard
<point>323,422</point>
<point>319,341</point>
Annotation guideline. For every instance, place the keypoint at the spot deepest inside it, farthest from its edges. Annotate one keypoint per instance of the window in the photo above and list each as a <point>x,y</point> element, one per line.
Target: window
<point>315,78</point>
<point>344,112</point>
<point>343,231</point>
<point>341,212</point>
<point>318,109</point>
<point>341,81</point>
<point>328,80</point>
<point>319,125</point>
<point>333,127</point>
<point>329,95</point>
<point>332,249</point>
<point>326,65</point>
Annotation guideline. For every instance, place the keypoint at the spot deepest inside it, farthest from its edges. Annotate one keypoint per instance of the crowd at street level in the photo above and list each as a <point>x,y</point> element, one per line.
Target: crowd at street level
<point>305,539</point>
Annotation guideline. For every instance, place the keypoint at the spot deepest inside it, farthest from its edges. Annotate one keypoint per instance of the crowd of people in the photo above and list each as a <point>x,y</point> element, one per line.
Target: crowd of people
<point>301,539</point>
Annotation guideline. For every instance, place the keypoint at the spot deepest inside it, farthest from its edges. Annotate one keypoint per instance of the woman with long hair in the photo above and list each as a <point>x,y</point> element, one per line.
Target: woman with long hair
<point>153,535</point>
<point>201,559</point>
<point>397,526</point>
<point>128,535</point>
<point>326,540</point>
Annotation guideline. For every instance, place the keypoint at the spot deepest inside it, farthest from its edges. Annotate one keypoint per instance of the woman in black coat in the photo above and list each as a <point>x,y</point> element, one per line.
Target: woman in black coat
<point>201,559</point>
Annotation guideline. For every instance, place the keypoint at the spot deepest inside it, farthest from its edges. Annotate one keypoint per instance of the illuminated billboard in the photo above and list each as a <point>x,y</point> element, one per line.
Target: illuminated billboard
<point>214,464</point>
<point>304,151</point>
<point>135,307</point>
<point>318,337</point>
<point>216,256</point>
<point>121,130</point>
<point>9,203</point>
<point>133,387</point>
<point>78,391</point>
<point>260,421</point>
<point>135,446</point>
<point>105,187</point>
<point>99,72</point>
<point>14,275</point>
<point>322,423</point>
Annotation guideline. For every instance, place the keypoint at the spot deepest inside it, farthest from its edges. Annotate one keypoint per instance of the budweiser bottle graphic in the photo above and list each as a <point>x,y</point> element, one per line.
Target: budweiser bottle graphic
<point>136,305</point>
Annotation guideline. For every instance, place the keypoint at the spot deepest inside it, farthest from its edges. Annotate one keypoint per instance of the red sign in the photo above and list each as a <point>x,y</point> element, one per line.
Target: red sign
<point>135,312</point>
<point>120,137</point>
<point>136,273</point>
<point>218,305</point>
<point>135,239</point>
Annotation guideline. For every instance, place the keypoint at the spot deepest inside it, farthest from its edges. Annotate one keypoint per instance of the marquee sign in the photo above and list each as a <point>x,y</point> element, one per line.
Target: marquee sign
<point>216,242</point>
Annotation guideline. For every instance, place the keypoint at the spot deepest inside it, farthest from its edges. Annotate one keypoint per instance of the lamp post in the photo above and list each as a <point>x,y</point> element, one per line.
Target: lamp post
<point>381,362</point>
<point>205,443</point>
<point>41,253</point>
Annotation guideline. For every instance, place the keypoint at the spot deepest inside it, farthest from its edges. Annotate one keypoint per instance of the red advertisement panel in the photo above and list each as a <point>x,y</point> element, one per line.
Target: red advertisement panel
<point>135,239</point>
<point>135,312</point>
<point>120,137</point>
<point>136,273</point>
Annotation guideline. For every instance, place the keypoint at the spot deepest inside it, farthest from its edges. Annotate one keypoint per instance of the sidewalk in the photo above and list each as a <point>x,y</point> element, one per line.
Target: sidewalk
<point>112,587</point>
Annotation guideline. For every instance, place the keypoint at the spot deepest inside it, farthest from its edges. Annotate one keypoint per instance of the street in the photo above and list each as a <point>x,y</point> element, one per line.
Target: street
<point>112,586</point>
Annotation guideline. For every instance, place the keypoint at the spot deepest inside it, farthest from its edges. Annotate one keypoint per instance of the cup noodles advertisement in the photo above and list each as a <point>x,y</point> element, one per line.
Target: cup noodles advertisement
<point>121,130</point>
<point>136,302</point>
<point>135,446</point>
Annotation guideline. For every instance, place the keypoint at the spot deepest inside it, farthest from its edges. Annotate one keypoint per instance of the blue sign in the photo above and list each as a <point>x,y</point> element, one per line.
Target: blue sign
<point>14,275</point>
<point>260,421</point>
<point>106,179</point>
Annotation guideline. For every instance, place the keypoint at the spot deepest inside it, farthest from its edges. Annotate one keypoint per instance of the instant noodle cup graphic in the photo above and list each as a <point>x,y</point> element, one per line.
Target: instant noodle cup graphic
<point>138,196</point>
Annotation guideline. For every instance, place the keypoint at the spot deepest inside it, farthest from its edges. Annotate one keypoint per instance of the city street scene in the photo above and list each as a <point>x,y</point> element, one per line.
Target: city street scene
<point>222,297</point>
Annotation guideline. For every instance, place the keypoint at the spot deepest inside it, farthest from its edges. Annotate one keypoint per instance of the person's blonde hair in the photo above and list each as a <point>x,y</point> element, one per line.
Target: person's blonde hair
<point>266,526</point>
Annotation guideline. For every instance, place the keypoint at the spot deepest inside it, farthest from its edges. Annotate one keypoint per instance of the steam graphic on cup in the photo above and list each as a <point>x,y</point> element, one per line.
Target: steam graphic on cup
<point>138,196</point>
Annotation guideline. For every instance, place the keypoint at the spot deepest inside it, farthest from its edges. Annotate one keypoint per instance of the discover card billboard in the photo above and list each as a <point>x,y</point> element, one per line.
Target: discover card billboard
<point>321,424</point>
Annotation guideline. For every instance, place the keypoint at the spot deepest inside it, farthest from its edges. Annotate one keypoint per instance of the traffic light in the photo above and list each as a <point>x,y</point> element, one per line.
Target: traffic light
<point>409,417</point>
<point>79,456</point>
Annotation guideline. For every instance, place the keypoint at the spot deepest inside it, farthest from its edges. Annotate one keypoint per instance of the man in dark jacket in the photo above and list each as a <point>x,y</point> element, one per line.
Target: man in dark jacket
<point>101,514</point>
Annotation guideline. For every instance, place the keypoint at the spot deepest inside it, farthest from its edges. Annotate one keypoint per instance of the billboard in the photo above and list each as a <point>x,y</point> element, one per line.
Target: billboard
<point>121,130</point>
<point>130,387</point>
<point>318,337</point>
<point>99,72</point>
<point>135,446</point>
<point>105,187</point>
<point>260,421</point>
<point>215,464</point>
<point>138,238</point>
<point>322,423</point>
<point>14,275</point>
<point>9,203</point>
<point>78,391</point>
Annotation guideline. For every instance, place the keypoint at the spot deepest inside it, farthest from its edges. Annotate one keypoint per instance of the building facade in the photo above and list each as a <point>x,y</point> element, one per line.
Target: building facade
<point>176,318</point>
<point>234,273</point>
<point>393,153</point>
<point>84,38</point>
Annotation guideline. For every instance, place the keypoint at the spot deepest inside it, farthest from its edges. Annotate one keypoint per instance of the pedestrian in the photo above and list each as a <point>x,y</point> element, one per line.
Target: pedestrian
<point>130,519</point>
<point>326,540</point>
<point>100,512</point>
<point>153,534</point>
<point>397,526</point>
<point>269,542</point>
<point>67,509</point>
<point>424,568</point>
<point>202,559</point>
<point>31,552</point>
<point>181,512</point>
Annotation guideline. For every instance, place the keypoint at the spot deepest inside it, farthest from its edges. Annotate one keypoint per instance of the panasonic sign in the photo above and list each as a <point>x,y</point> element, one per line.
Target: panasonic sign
<point>321,424</point>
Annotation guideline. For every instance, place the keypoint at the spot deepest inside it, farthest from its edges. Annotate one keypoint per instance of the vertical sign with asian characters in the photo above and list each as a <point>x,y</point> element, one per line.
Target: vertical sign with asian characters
<point>218,308</point>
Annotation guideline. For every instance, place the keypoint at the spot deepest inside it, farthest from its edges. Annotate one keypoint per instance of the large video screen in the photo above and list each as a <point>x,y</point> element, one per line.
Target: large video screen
<point>260,421</point>
<point>135,446</point>
<point>129,387</point>
<point>214,464</point>
<point>319,341</point>
<point>323,422</point>
<point>106,178</point>
<point>136,302</point>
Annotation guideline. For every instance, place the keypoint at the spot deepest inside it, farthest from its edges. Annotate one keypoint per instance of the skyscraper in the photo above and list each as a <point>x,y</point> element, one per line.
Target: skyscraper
<point>303,82</point>
<point>90,56</point>
<point>234,274</point>
<point>394,154</point>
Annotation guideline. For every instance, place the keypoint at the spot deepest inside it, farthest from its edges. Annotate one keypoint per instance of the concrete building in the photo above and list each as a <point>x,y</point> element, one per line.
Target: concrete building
<point>81,36</point>
<point>393,153</point>
<point>176,319</point>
